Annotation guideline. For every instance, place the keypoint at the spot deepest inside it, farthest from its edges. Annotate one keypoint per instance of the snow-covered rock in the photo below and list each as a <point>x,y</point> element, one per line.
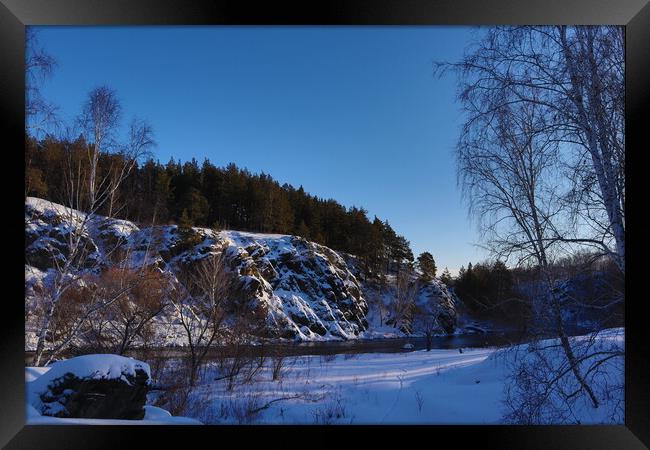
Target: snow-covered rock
<point>304,290</point>
<point>49,229</point>
<point>107,365</point>
<point>432,298</point>
<point>92,386</point>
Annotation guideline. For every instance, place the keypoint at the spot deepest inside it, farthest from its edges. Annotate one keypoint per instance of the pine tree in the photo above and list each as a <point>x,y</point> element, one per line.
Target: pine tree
<point>302,230</point>
<point>446,277</point>
<point>162,195</point>
<point>185,223</point>
<point>427,265</point>
<point>202,195</point>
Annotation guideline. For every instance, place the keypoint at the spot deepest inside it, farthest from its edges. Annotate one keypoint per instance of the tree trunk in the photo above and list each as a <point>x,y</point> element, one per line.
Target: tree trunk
<point>591,123</point>
<point>42,335</point>
<point>568,351</point>
<point>566,344</point>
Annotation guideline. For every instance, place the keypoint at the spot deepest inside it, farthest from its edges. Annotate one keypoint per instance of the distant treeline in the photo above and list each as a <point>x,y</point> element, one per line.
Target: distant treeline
<point>585,281</point>
<point>193,194</point>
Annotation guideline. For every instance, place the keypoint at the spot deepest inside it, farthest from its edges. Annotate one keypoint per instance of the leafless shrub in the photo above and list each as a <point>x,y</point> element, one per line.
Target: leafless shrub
<point>235,362</point>
<point>199,302</point>
<point>420,400</point>
<point>541,390</point>
<point>277,367</point>
<point>331,412</point>
<point>175,389</point>
<point>200,406</point>
<point>245,410</point>
<point>140,295</point>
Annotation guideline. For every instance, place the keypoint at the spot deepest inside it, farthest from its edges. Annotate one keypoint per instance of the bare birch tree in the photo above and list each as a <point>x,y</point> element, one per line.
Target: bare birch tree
<point>87,191</point>
<point>505,168</point>
<point>527,118</point>
<point>576,76</point>
<point>40,114</point>
<point>99,120</point>
<point>406,290</point>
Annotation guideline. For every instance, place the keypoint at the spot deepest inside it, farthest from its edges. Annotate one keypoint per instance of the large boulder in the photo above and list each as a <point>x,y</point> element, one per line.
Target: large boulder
<point>92,386</point>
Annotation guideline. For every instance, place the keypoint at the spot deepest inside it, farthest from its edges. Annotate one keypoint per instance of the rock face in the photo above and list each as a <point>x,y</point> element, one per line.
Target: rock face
<point>49,228</point>
<point>307,287</point>
<point>92,387</point>
<point>433,309</point>
<point>304,290</point>
<point>435,299</point>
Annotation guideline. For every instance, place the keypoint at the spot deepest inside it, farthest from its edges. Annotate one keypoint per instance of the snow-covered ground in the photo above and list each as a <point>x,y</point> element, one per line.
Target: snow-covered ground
<point>459,386</point>
<point>378,388</point>
<point>153,416</point>
<point>436,387</point>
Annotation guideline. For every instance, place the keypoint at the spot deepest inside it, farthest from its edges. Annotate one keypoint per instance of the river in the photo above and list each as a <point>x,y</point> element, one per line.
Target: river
<point>356,346</point>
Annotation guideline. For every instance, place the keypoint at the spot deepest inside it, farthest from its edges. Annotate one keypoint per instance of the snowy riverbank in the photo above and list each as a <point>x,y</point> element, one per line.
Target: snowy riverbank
<point>459,386</point>
<point>442,386</point>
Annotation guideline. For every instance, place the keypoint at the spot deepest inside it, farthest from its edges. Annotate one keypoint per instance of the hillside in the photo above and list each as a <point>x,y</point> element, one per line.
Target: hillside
<point>304,290</point>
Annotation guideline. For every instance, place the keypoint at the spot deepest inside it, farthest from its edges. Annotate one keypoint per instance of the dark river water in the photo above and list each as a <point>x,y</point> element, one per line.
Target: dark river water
<point>379,345</point>
<point>382,345</point>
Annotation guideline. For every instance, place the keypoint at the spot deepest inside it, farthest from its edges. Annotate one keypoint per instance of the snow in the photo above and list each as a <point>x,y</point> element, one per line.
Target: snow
<point>46,206</point>
<point>98,366</point>
<point>101,366</point>
<point>32,373</point>
<point>414,387</point>
<point>372,388</point>
<point>153,416</point>
<point>245,238</point>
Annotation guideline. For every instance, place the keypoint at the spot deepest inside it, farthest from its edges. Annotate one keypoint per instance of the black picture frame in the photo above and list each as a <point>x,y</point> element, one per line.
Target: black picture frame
<point>16,14</point>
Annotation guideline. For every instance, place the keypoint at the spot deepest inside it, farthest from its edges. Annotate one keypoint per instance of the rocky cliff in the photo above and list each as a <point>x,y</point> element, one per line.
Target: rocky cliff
<point>305,290</point>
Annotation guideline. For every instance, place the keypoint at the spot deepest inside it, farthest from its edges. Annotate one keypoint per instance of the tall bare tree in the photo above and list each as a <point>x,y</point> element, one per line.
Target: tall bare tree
<point>525,123</point>
<point>99,120</point>
<point>576,76</point>
<point>40,114</point>
<point>87,191</point>
<point>406,290</point>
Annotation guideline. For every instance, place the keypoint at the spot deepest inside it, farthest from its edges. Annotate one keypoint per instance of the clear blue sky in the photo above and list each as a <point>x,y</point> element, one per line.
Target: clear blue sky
<point>350,113</point>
